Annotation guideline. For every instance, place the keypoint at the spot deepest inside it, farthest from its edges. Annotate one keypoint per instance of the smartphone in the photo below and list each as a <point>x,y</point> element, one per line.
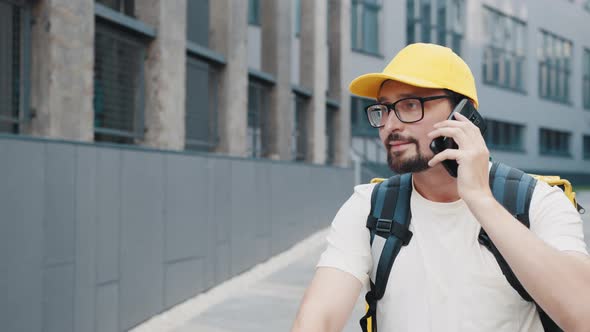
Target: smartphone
<point>439,144</point>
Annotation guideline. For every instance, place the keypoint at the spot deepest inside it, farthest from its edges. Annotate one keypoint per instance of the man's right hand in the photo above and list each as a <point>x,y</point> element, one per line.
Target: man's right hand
<point>328,301</point>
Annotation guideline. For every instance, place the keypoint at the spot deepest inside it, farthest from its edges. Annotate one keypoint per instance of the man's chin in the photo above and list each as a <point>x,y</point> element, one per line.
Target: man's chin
<point>415,164</point>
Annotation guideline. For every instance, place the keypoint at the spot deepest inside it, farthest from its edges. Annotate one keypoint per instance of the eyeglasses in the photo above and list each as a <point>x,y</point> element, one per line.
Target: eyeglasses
<point>407,110</point>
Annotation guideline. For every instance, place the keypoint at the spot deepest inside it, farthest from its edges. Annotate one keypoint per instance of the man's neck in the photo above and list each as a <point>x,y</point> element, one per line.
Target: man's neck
<point>435,184</point>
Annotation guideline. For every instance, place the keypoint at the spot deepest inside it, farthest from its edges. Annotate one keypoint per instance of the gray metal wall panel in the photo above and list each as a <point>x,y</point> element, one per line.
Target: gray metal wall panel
<point>141,279</point>
<point>108,214</point>
<point>58,299</point>
<point>107,308</point>
<point>59,204</point>
<point>243,217</point>
<point>222,262</point>
<point>186,204</point>
<point>21,235</point>
<point>133,222</point>
<point>184,280</point>
<point>85,284</point>
<point>263,212</point>
<point>208,229</point>
<point>220,215</point>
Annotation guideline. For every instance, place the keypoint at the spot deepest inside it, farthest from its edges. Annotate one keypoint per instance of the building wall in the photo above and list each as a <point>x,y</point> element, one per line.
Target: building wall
<point>100,238</point>
<point>566,19</point>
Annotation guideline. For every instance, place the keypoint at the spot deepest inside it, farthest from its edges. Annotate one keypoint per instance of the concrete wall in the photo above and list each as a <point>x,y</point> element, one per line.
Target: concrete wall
<point>99,238</point>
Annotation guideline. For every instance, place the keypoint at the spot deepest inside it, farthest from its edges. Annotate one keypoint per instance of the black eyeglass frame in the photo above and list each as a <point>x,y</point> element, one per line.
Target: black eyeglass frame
<point>391,107</point>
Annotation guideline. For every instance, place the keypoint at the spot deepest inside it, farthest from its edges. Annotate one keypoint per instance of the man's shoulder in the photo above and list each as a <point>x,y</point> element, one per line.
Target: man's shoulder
<point>364,190</point>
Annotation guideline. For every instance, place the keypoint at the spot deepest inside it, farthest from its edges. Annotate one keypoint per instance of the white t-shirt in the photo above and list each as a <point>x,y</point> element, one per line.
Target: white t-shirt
<point>444,280</point>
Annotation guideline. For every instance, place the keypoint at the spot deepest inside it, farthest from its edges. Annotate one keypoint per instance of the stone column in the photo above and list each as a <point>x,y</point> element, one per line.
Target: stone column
<point>276,60</point>
<point>339,45</point>
<point>312,68</point>
<point>62,60</point>
<point>165,73</point>
<point>228,35</point>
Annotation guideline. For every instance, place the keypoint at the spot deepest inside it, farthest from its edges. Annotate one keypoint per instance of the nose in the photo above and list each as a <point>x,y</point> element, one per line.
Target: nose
<point>392,123</point>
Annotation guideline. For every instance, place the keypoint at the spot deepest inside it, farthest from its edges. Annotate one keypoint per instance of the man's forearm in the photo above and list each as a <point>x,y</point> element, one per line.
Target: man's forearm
<point>558,281</point>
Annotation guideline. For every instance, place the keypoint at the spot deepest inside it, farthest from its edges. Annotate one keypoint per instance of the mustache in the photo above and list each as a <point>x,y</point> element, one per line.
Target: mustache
<point>394,137</point>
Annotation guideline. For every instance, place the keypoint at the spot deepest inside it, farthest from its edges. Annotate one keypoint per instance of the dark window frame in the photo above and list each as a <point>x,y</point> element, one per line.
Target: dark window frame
<point>553,70</point>
<point>419,26</point>
<point>586,79</point>
<point>301,100</point>
<point>123,30</point>
<point>359,124</point>
<point>586,147</point>
<point>20,81</point>
<point>211,140</point>
<point>358,27</point>
<point>254,13</point>
<point>554,143</point>
<point>504,136</point>
<point>126,7</point>
<point>258,120</point>
<point>505,56</point>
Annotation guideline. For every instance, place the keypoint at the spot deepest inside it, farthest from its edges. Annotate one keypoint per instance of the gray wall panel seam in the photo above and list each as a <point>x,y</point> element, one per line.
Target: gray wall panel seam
<point>44,238</point>
<point>119,246</point>
<point>75,242</point>
<point>165,180</point>
<point>183,259</point>
<point>96,244</point>
<point>107,283</point>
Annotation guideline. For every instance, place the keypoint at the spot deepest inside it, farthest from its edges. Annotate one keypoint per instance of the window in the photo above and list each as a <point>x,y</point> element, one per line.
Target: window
<point>197,22</point>
<point>14,56</point>
<point>331,116</point>
<point>126,7</point>
<point>554,143</point>
<point>365,26</point>
<point>504,52</point>
<point>201,105</point>
<point>555,57</point>
<point>358,120</point>
<point>118,85</point>
<point>202,81</point>
<point>258,126</point>
<point>299,147</point>
<point>504,136</point>
<point>435,21</point>
<point>298,17</point>
<point>586,143</point>
<point>253,12</point>
<point>586,80</point>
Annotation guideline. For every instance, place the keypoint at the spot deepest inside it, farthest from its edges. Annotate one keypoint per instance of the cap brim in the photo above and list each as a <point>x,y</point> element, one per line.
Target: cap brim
<point>368,85</point>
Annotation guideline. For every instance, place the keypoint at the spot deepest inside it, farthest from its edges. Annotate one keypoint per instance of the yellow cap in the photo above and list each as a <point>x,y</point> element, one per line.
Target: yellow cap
<point>421,65</point>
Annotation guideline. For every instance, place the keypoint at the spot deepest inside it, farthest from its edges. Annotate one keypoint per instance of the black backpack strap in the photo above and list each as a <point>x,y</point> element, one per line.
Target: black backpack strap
<point>389,219</point>
<point>514,189</point>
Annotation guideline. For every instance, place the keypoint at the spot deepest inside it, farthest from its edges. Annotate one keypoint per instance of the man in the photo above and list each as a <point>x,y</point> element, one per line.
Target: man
<point>444,280</point>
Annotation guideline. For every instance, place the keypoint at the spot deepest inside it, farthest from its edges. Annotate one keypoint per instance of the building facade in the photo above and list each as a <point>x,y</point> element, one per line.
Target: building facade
<point>268,79</point>
<point>211,76</point>
<point>531,70</point>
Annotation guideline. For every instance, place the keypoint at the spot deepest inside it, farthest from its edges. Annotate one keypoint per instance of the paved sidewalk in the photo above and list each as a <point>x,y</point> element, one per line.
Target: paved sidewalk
<point>266,298</point>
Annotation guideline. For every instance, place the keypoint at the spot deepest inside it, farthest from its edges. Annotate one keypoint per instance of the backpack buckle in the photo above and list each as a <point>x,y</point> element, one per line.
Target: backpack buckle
<point>384,225</point>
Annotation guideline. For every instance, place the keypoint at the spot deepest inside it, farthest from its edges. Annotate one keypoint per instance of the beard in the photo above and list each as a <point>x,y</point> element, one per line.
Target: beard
<point>415,164</point>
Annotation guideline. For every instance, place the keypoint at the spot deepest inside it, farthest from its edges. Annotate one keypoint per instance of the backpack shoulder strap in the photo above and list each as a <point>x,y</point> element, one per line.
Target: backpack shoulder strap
<point>388,224</point>
<point>513,189</point>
